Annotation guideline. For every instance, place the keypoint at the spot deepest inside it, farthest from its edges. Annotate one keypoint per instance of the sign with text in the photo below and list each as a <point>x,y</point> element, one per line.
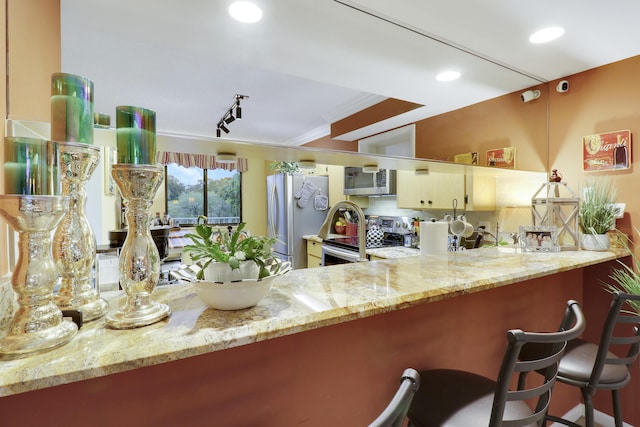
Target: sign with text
<point>502,157</point>
<point>606,151</point>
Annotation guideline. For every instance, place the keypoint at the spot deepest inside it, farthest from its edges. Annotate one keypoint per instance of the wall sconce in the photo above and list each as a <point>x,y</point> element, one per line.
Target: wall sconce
<point>307,164</point>
<point>233,113</point>
<point>226,158</point>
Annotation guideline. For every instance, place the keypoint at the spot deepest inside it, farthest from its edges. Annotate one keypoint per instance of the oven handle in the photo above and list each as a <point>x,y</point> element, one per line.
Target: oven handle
<point>345,254</point>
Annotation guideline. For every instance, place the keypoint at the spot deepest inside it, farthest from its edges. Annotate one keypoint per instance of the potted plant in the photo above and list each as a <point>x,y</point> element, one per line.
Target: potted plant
<point>597,213</point>
<point>627,278</point>
<point>226,256</point>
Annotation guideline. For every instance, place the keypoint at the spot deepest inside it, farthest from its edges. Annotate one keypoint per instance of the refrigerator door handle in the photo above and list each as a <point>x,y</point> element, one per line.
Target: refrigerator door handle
<point>271,206</point>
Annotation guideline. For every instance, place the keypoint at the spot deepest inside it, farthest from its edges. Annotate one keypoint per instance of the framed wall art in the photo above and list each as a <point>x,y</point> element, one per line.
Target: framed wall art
<point>466,158</point>
<point>606,151</point>
<point>502,157</point>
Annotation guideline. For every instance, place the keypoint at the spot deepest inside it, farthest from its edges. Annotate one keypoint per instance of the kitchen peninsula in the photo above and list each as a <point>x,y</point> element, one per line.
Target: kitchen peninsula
<point>325,347</point>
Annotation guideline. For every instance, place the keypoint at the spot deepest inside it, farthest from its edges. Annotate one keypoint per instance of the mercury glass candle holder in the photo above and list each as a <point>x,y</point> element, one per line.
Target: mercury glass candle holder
<point>37,323</point>
<point>71,108</point>
<point>139,258</point>
<point>74,243</point>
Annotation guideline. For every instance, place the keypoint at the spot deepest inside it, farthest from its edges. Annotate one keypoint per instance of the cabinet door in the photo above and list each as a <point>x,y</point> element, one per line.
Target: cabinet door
<point>314,254</point>
<point>481,193</point>
<point>429,191</point>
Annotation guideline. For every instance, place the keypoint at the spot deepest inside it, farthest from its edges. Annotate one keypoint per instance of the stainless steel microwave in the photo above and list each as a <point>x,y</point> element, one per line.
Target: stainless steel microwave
<point>359,183</point>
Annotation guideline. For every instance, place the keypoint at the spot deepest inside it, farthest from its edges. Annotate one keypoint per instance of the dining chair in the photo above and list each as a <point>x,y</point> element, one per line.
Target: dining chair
<point>396,411</point>
<point>455,398</point>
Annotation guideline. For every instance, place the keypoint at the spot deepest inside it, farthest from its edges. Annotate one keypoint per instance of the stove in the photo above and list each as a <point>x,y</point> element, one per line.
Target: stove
<point>351,242</point>
<point>339,250</point>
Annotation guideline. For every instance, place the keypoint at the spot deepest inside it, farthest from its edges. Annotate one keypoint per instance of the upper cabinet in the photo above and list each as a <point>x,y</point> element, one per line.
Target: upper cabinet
<point>418,190</point>
<point>429,190</point>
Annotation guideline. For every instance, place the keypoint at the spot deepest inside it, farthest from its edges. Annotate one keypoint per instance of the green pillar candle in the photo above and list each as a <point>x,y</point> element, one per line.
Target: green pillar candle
<point>31,167</point>
<point>136,135</point>
<point>71,108</point>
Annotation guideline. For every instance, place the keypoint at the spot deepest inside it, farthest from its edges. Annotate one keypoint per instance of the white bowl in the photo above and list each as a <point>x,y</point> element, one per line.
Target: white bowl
<point>233,295</point>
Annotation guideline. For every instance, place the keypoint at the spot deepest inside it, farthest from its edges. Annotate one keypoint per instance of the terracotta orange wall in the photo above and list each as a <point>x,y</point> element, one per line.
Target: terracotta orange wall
<point>33,54</point>
<point>599,100</point>
<point>501,122</point>
<point>376,113</point>
<point>333,144</point>
<point>4,268</point>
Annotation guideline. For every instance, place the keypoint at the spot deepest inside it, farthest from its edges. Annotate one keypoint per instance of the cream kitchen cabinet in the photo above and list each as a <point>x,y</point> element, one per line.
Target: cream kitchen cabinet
<point>480,192</point>
<point>314,253</point>
<point>429,191</point>
<point>437,191</point>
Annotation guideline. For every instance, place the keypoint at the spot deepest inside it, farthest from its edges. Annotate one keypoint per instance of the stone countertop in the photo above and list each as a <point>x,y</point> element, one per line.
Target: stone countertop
<point>298,301</point>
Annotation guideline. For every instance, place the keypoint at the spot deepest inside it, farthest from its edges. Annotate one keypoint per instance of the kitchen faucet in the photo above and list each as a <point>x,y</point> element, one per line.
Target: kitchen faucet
<point>362,226</point>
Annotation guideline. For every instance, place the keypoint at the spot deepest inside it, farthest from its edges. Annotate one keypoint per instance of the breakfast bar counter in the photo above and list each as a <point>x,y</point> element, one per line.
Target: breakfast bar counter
<point>348,327</point>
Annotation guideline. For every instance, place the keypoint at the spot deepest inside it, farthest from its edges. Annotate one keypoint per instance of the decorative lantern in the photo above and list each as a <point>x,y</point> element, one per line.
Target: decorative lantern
<point>556,204</point>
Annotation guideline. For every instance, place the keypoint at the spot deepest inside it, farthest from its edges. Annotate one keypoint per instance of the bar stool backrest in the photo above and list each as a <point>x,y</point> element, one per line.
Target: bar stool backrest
<point>396,411</point>
<point>550,347</point>
<point>621,331</point>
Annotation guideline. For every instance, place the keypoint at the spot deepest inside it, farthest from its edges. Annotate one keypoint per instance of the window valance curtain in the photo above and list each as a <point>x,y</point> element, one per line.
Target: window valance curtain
<point>203,161</point>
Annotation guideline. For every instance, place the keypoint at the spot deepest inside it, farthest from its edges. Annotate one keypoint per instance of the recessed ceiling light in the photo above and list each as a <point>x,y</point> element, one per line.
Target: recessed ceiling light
<point>546,34</point>
<point>447,76</point>
<point>245,11</point>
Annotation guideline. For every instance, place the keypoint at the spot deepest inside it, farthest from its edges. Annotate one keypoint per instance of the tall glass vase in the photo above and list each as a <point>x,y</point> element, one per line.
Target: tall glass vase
<point>37,323</point>
<point>74,243</point>
<point>139,259</point>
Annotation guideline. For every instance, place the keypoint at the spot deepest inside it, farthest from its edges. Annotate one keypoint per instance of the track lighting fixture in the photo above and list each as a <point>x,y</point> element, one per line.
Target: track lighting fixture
<point>234,112</point>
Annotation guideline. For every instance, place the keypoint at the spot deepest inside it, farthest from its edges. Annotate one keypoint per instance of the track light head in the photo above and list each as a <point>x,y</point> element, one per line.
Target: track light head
<point>229,116</point>
<point>218,133</point>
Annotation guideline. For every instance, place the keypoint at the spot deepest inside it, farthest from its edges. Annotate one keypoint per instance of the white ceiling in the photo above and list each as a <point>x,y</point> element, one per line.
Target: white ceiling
<point>308,63</point>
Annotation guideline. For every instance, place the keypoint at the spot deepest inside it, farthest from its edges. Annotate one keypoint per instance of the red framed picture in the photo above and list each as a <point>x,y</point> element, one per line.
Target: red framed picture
<point>502,157</point>
<point>606,151</point>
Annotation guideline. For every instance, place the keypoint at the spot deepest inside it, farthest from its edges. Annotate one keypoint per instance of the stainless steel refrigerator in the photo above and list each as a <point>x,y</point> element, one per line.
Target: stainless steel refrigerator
<point>296,206</point>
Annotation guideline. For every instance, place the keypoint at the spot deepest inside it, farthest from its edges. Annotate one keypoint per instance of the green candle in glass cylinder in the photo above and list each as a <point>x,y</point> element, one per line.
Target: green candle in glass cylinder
<point>71,108</point>
<point>136,135</point>
<point>31,167</point>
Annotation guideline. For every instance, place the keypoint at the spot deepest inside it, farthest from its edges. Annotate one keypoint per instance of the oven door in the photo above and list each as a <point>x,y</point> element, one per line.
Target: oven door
<point>332,255</point>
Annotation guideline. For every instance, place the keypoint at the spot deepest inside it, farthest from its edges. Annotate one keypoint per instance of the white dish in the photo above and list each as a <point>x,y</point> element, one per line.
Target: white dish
<point>239,294</point>
<point>233,295</point>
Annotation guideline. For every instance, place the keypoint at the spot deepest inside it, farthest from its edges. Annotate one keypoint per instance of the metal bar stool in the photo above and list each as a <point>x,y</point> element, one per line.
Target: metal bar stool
<point>455,398</point>
<point>396,411</point>
<point>593,367</point>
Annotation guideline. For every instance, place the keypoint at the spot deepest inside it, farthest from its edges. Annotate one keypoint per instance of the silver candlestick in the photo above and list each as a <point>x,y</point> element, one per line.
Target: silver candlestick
<point>37,323</point>
<point>74,243</point>
<point>139,259</point>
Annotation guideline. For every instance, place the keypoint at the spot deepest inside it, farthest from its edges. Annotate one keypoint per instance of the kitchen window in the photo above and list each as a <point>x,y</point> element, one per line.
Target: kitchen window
<point>193,191</point>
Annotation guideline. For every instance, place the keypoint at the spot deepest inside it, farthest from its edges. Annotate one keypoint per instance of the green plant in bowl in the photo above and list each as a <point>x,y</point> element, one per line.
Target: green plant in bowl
<point>209,245</point>
<point>597,213</point>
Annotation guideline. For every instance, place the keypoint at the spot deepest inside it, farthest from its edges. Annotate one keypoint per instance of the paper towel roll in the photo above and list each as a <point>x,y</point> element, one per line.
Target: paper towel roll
<point>433,238</point>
